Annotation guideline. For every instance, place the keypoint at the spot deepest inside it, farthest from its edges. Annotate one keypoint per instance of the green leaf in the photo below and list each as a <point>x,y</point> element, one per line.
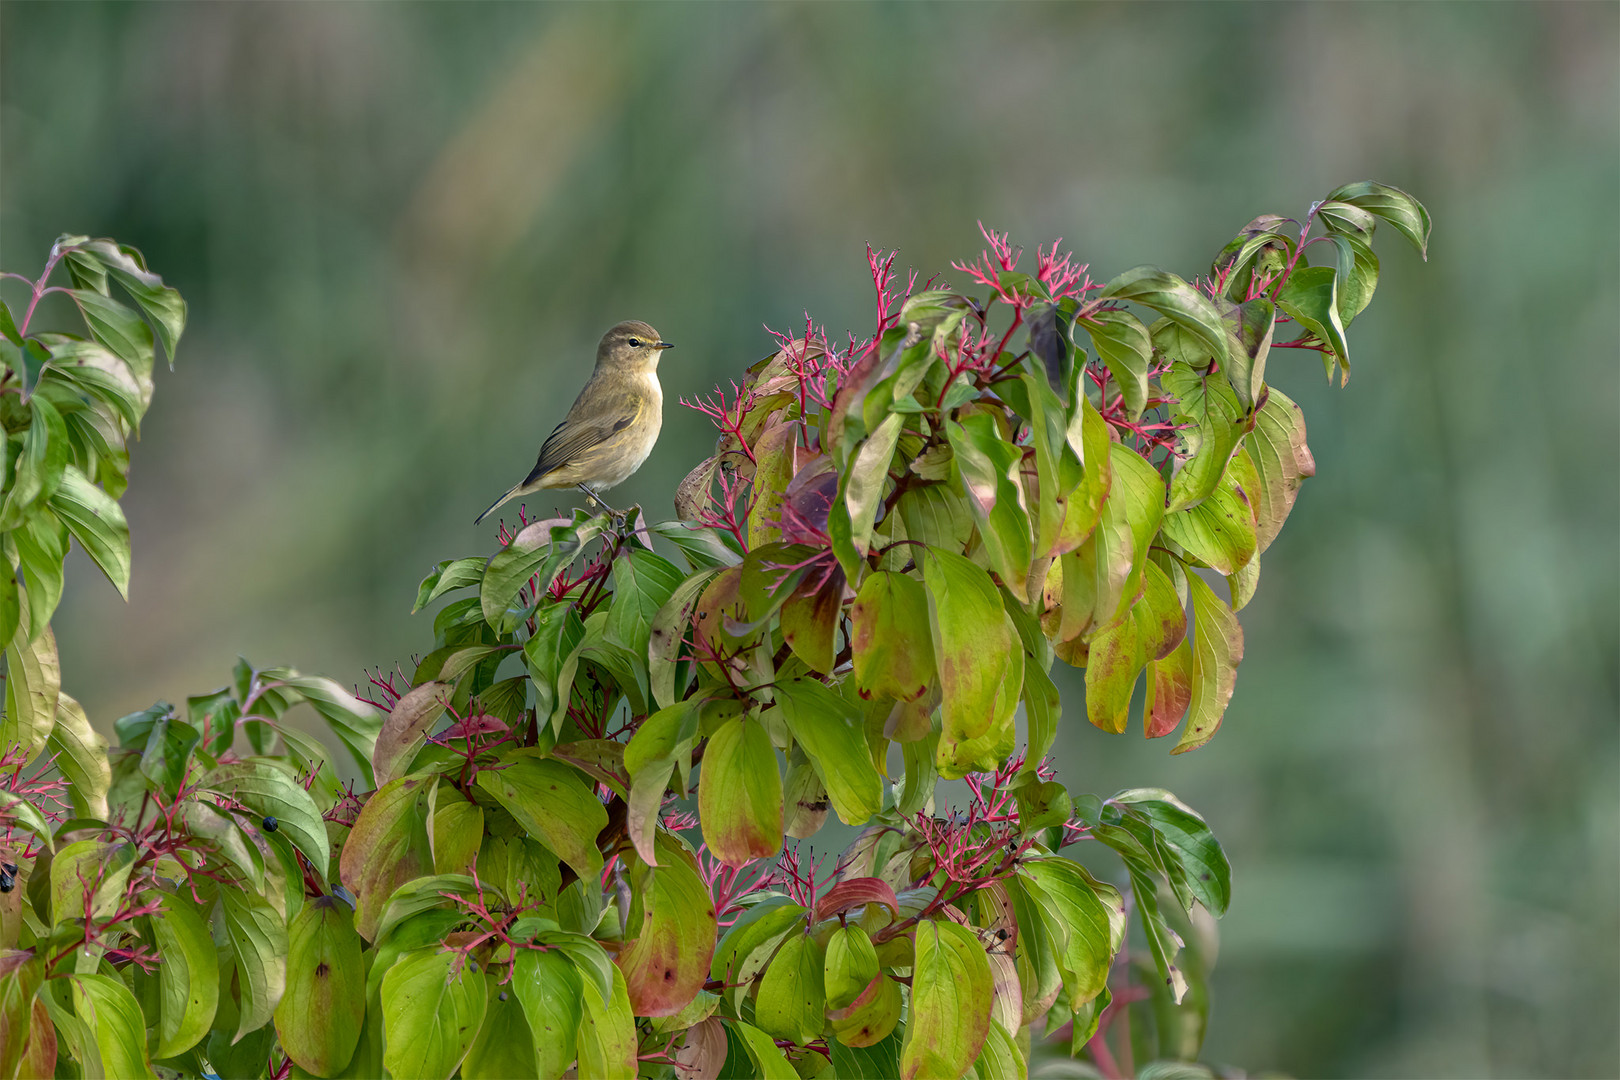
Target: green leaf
<point>552,655</point>
<point>1163,943</point>
<point>539,551</point>
<point>117,327</point>
<point>1086,918</point>
<point>988,467</point>
<point>17,811</point>
<point>33,686</point>
<point>893,648</point>
<point>792,1002</point>
<point>1211,409</point>
<point>810,620</point>
<point>1220,531</point>
<point>270,791</point>
<point>387,847</point>
<point>769,1061</point>
<point>1176,300</point>
<point>168,754</point>
<point>1310,296</point>
<point>46,455</point>
<point>667,634</point>
<point>643,582</point>
<point>355,722</point>
<point>1123,343</point>
<point>162,304</point>
<point>406,729</point>
<point>448,576</point>
<point>94,369</point>
<point>1251,325</point>
<point>109,1010</point>
<point>973,642</point>
<point>1282,461</point>
<point>870,1020</point>
<point>1000,1059</point>
<point>97,523</point>
<point>663,740</point>
<point>850,966</point>
<point>81,755</point>
<point>751,942</point>
<point>1196,864</point>
<point>505,1046</point>
<point>430,1015</point>
<point>548,986</point>
<point>740,793</point>
<point>1357,269</point>
<point>607,1033</point>
<point>320,1017</point>
<point>223,837</point>
<point>1217,651</point>
<point>866,477</point>
<point>554,805</point>
<point>258,939</point>
<point>773,469</point>
<point>188,976</point>
<point>831,729</point>
<point>1395,206</point>
<point>42,543</point>
<point>668,961</point>
<point>951,990</point>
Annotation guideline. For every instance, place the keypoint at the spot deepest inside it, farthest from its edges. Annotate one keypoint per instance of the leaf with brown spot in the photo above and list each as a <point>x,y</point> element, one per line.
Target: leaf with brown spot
<point>323,1011</point>
<point>668,961</point>
<point>387,847</point>
<point>890,638</point>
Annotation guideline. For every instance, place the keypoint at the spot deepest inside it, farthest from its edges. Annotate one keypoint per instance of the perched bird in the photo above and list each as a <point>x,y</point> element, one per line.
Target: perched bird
<point>613,424</point>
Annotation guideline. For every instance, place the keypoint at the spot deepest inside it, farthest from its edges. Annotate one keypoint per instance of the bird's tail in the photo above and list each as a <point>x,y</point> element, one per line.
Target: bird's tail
<point>513,492</point>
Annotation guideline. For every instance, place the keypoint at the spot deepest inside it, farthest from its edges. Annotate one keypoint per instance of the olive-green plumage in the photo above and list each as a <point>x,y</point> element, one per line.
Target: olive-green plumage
<point>613,424</point>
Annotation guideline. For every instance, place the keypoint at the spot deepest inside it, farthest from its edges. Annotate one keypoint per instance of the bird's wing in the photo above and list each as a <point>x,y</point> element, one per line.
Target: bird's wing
<point>578,435</point>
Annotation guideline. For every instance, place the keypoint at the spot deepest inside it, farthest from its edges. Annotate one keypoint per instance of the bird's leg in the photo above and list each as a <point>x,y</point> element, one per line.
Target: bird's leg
<point>597,499</point>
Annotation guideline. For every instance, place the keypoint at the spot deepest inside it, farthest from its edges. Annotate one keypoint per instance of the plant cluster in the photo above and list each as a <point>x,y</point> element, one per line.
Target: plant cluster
<point>569,835</point>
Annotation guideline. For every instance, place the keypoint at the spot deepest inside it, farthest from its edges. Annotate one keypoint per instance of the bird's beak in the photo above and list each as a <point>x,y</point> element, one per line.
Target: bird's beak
<point>665,345</point>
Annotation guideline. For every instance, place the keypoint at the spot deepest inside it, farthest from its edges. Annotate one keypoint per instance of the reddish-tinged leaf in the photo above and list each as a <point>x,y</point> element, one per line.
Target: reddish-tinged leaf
<point>1217,651</point>
<point>773,469</point>
<point>951,997</point>
<point>668,961</point>
<point>1169,691</point>
<point>740,793</point>
<point>703,1054</point>
<point>810,621</point>
<point>853,892</point>
<point>870,1018</point>
<point>893,648</point>
<point>387,847</point>
<point>406,728</point>
<point>973,642</point>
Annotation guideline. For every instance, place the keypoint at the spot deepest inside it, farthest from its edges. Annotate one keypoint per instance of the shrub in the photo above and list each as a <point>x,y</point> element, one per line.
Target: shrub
<point>560,838</point>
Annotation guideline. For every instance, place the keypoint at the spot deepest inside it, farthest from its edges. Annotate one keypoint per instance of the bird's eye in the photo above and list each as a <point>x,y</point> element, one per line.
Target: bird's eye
<point>635,343</point>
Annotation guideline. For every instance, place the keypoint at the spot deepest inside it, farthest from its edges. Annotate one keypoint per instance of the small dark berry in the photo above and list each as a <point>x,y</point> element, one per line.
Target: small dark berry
<point>8,876</point>
<point>270,824</point>
<point>502,995</point>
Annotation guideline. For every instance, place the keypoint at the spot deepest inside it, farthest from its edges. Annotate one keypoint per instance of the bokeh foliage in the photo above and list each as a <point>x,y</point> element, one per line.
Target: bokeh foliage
<point>1422,797</point>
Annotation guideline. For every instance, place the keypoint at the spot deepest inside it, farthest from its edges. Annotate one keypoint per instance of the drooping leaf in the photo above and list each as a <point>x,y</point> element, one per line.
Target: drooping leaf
<point>555,806</point>
<point>740,793</point>
<point>188,975</point>
<point>1217,651</point>
<point>951,992</point>
<point>323,1012</point>
<point>97,523</point>
<point>272,792</point>
<point>792,1002</point>
<point>447,576</point>
<point>668,962</point>
<point>1196,864</point>
<point>1281,460</point>
<point>110,1011</point>
<point>387,847</point>
<point>505,1046</point>
<point>1220,531</point>
<point>548,987</point>
<point>539,551</point>
<point>1404,213</point>
<point>1210,409</point>
<point>988,468</point>
<point>850,965</point>
<point>1086,916</point>
<point>431,1013</point>
<point>81,755</point>
<point>21,973</point>
<point>258,939</point>
<point>893,649</point>
<point>973,641</point>
<point>33,686</point>
<point>769,1061</point>
<point>1310,296</point>
<point>1176,300</point>
<point>406,729</point>
<point>831,729</point>
<point>1123,343</point>
<point>607,1032</point>
<point>1251,325</point>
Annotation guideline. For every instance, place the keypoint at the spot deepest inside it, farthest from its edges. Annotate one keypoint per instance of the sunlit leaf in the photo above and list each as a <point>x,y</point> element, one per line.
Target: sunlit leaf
<point>1085,916</point>
<point>431,1013</point>
<point>950,1002</point>
<point>387,847</point>
<point>548,987</point>
<point>1404,213</point>
<point>110,1011</point>
<point>406,730</point>
<point>258,939</point>
<point>1176,300</point>
<point>668,961</point>
<point>188,976</point>
<point>740,793</point>
<point>554,805</point>
<point>831,729</point>
<point>1217,651</point>
<point>791,1001</point>
<point>323,1012</point>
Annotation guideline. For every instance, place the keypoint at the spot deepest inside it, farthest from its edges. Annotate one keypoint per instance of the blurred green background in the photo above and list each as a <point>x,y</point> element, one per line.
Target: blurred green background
<point>401,229</point>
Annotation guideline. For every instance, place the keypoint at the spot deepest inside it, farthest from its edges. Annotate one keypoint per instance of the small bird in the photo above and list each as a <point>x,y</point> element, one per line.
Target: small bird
<point>613,423</point>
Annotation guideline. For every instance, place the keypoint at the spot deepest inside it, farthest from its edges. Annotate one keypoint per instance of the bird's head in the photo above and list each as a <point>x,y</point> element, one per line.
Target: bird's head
<point>631,346</point>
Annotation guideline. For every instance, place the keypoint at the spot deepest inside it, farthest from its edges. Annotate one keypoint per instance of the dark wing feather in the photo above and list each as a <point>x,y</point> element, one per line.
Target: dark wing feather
<point>578,435</point>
